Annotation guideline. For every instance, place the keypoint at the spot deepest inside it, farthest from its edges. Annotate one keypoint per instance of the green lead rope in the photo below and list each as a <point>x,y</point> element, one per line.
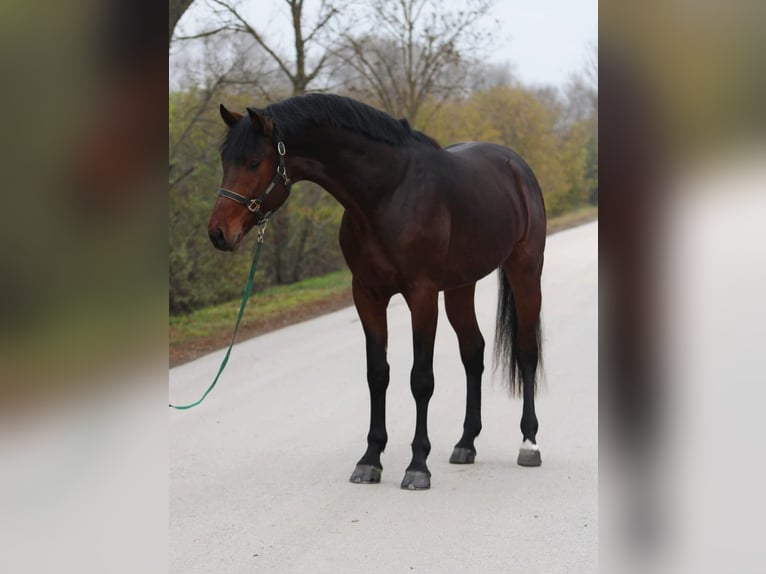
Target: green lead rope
<point>245,297</point>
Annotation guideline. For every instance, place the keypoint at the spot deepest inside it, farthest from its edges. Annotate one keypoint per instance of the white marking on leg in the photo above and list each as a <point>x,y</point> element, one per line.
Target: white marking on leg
<point>528,445</point>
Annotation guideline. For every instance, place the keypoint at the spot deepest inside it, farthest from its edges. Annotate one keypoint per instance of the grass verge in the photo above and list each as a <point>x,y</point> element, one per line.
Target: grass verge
<point>573,218</point>
<point>208,329</point>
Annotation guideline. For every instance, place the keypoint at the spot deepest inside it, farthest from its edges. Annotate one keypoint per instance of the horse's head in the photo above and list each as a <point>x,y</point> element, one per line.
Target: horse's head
<point>254,182</point>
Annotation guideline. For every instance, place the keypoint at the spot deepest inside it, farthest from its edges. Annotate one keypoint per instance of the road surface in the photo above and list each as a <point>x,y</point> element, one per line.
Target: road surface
<point>259,472</point>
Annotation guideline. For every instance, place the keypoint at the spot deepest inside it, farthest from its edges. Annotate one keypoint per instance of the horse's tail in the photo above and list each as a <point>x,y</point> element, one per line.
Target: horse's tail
<point>506,353</point>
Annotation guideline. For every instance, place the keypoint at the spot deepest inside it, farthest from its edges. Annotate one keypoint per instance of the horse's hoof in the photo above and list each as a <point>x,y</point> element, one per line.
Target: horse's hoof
<point>366,474</point>
<point>416,480</point>
<point>462,455</point>
<point>529,455</point>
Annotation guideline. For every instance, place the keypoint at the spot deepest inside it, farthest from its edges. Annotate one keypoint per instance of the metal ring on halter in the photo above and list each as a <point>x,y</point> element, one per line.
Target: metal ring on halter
<point>254,205</point>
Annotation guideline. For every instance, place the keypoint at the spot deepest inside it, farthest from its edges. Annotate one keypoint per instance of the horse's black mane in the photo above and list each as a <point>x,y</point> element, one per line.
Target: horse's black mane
<point>300,113</point>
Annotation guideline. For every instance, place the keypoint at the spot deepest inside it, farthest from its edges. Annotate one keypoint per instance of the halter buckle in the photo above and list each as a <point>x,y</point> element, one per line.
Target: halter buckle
<point>254,205</point>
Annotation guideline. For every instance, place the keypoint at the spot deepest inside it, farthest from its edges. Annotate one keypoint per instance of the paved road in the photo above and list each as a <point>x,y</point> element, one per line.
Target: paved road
<point>259,472</point>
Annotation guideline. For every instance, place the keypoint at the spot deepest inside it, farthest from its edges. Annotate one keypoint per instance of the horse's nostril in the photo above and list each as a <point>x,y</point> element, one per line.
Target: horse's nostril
<point>216,236</point>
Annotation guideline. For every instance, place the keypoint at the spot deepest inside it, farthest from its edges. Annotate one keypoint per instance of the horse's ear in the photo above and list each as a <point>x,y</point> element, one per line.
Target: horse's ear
<point>230,118</point>
<point>261,122</point>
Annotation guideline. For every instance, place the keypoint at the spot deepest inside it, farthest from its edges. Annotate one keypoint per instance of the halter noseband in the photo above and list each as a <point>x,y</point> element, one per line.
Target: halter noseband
<point>254,205</point>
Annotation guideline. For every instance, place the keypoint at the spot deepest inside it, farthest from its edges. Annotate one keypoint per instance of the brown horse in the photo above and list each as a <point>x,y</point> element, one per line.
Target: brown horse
<point>418,219</point>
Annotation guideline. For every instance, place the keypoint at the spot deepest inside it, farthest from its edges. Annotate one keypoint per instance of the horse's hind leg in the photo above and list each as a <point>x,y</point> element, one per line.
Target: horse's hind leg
<point>372,313</point>
<point>459,304</point>
<point>523,274</point>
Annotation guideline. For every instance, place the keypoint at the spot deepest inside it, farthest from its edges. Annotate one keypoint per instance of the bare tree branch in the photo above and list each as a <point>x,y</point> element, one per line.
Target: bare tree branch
<point>318,68</point>
<point>324,20</point>
<point>412,52</point>
<point>176,9</point>
<point>181,177</point>
<point>204,34</point>
<point>244,26</point>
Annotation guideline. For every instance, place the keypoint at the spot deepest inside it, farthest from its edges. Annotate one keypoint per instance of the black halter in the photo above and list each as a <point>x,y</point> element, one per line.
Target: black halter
<point>254,205</point>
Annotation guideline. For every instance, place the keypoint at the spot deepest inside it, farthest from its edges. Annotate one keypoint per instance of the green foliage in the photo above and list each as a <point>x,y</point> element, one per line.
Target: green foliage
<point>273,302</point>
<point>530,122</point>
<point>199,276</point>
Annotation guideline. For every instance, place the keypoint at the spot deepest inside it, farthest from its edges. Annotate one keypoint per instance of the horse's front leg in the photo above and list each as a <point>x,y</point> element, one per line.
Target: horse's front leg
<point>424,308</point>
<point>372,313</point>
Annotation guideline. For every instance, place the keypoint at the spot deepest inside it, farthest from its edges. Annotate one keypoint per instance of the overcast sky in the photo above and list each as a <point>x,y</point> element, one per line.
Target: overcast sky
<point>543,41</point>
<point>546,40</point>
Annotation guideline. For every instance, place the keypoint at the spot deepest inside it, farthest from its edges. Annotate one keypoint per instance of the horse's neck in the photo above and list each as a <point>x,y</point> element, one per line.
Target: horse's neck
<point>358,172</point>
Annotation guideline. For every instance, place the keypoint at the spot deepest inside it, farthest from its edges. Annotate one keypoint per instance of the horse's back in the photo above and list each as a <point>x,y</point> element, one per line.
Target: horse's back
<point>495,156</point>
<point>494,204</point>
<point>503,176</point>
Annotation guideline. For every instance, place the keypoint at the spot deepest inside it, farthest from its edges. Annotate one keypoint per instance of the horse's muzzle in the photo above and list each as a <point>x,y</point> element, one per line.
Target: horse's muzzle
<point>219,239</point>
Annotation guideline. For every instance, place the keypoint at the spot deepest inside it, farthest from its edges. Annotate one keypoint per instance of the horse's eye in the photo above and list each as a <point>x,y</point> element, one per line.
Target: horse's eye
<point>254,164</point>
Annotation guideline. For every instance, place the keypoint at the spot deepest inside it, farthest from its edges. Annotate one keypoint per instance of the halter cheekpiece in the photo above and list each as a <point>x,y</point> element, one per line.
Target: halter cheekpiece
<point>254,205</point>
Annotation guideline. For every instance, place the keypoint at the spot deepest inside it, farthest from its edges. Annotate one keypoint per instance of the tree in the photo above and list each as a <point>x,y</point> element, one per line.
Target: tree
<point>201,78</point>
<point>413,51</point>
<point>176,9</point>
<point>530,121</point>
<point>582,107</point>
<point>582,93</point>
<point>297,66</point>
